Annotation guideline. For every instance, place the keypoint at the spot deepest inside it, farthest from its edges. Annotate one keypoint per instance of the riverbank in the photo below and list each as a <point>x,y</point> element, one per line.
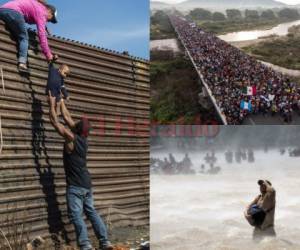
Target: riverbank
<point>165,45</point>
<point>224,27</point>
<point>280,51</point>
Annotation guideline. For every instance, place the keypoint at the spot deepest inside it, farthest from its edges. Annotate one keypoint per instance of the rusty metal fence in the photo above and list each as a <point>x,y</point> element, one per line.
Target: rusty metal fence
<point>112,90</point>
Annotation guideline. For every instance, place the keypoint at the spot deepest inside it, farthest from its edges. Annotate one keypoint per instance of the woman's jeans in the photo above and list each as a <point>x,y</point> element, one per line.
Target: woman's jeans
<point>16,24</point>
<point>81,200</point>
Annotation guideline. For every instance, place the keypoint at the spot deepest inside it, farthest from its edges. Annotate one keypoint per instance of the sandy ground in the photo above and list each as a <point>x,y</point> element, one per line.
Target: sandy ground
<point>241,44</point>
<point>165,44</point>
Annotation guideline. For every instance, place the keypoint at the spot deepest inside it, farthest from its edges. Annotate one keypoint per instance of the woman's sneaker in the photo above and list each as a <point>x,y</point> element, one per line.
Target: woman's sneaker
<point>23,68</point>
<point>108,246</point>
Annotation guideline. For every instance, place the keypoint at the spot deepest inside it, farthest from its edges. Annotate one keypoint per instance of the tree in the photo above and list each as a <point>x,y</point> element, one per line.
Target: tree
<point>251,14</point>
<point>159,17</point>
<point>268,15</point>
<point>201,14</point>
<point>218,16</point>
<point>234,14</point>
<point>287,13</point>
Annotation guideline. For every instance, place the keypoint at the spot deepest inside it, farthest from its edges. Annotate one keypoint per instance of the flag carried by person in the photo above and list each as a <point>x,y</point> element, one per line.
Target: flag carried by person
<point>250,90</point>
<point>246,105</point>
<point>265,98</point>
<point>271,97</point>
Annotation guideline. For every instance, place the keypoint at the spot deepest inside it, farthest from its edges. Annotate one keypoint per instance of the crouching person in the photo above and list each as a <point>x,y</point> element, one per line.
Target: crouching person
<point>79,186</point>
<point>261,212</point>
<point>16,13</point>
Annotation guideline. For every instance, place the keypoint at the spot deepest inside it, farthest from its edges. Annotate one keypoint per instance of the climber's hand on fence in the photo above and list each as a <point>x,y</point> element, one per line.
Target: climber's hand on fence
<point>55,57</point>
<point>48,31</point>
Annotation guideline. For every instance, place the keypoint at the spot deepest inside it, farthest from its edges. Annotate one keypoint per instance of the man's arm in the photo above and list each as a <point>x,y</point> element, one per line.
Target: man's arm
<point>65,133</point>
<point>269,199</point>
<point>42,34</point>
<point>253,202</point>
<point>67,116</point>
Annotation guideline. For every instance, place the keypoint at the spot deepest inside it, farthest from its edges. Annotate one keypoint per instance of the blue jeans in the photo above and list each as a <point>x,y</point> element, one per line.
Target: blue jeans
<point>16,24</point>
<point>81,200</point>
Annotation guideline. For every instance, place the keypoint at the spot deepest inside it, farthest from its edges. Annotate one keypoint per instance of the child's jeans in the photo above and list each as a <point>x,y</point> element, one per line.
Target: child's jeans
<point>16,23</point>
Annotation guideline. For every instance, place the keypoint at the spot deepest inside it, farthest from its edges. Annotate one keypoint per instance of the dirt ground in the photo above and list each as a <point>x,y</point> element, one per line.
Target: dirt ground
<point>130,236</point>
<point>123,238</point>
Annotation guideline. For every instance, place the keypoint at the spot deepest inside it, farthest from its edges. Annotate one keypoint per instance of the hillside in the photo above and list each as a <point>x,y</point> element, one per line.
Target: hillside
<point>228,4</point>
<point>156,5</point>
<point>220,4</point>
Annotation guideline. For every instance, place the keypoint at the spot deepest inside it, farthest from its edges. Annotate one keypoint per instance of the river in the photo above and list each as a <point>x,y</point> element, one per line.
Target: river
<point>280,30</point>
<point>165,44</point>
<point>206,211</point>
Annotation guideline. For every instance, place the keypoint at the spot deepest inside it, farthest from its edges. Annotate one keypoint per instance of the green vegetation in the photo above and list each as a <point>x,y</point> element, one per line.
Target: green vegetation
<point>284,52</point>
<point>174,89</point>
<point>200,14</point>
<point>161,27</point>
<point>218,16</point>
<point>228,26</point>
<point>288,14</point>
<point>219,23</point>
<point>234,14</point>
<point>236,20</point>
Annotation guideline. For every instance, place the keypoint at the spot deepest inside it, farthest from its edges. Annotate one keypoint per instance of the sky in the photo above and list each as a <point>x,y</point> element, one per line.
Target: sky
<point>121,25</point>
<point>283,1</point>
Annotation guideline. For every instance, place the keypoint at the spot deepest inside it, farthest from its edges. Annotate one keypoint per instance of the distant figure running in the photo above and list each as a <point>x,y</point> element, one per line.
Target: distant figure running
<point>17,13</point>
<point>260,213</point>
<point>79,185</point>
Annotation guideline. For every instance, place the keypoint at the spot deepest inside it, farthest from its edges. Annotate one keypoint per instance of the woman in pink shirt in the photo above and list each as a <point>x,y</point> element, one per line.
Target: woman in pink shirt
<point>17,13</point>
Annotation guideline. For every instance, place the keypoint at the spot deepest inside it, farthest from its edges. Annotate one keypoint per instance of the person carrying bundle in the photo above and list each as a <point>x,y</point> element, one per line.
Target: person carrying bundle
<point>260,213</point>
<point>17,13</point>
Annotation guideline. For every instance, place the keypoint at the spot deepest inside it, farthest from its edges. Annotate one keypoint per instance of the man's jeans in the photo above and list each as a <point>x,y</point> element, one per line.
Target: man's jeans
<point>79,200</point>
<point>16,24</point>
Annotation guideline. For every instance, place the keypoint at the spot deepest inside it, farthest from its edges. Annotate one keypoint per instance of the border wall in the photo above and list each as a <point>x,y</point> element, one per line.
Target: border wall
<point>112,90</point>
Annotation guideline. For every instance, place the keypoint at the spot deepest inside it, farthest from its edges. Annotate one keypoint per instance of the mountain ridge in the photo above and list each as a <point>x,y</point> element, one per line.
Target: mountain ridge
<point>221,4</point>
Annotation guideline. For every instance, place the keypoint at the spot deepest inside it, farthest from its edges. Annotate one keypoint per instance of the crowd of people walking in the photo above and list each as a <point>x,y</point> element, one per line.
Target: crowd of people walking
<point>240,84</point>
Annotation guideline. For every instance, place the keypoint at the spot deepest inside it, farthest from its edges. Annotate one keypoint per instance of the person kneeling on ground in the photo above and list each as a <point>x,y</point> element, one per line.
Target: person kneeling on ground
<point>260,213</point>
<point>17,13</point>
<point>79,186</point>
<point>56,84</point>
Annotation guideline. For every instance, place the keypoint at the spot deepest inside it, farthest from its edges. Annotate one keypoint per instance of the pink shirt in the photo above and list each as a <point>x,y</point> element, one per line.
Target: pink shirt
<point>34,13</point>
